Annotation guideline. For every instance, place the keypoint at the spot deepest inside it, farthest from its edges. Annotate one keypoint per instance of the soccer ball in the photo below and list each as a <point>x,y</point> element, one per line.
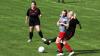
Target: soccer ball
<point>41,49</point>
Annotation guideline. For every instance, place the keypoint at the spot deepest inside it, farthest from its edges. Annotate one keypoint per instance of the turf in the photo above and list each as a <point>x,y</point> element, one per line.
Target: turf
<point>14,32</point>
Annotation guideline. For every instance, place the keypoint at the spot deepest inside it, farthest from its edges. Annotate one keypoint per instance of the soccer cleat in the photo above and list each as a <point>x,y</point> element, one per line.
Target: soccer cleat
<point>60,54</point>
<point>46,42</point>
<point>44,39</point>
<point>71,53</point>
<point>29,40</point>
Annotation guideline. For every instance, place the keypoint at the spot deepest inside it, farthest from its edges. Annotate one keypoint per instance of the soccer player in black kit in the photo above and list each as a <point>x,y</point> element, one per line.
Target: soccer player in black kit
<point>33,20</point>
<point>72,26</point>
<point>71,29</point>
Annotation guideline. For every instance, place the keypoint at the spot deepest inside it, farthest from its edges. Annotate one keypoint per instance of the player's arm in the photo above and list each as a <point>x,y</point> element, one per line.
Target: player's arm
<point>79,24</point>
<point>27,17</point>
<point>39,12</point>
<point>67,25</point>
<point>77,21</point>
<point>58,22</point>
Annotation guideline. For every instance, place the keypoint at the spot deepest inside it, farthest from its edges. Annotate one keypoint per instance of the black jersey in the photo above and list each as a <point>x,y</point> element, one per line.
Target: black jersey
<point>33,14</point>
<point>72,24</point>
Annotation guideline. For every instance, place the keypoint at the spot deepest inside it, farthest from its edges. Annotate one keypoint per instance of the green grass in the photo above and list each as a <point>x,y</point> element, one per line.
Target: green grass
<point>14,32</point>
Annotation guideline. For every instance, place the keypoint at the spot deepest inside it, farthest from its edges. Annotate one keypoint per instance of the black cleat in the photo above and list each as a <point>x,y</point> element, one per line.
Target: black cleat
<point>47,42</point>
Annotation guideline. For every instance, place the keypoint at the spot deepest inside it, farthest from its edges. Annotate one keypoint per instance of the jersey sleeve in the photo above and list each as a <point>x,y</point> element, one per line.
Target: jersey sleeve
<point>77,21</point>
<point>39,12</point>
<point>28,12</point>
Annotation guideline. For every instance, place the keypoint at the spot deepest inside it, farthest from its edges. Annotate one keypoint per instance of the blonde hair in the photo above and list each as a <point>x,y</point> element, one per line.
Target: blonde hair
<point>72,14</point>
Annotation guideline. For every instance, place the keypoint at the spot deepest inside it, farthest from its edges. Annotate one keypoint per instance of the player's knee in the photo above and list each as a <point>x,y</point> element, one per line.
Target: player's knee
<point>57,41</point>
<point>64,42</point>
<point>37,27</point>
<point>31,29</point>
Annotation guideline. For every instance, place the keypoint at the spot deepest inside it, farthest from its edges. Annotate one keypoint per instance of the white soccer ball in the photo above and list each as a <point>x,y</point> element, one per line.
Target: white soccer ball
<point>41,49</point>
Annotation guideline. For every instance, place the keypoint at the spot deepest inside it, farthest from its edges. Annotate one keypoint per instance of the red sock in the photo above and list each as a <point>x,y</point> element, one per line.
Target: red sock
<point>59,47</point>
<point>67,46</point>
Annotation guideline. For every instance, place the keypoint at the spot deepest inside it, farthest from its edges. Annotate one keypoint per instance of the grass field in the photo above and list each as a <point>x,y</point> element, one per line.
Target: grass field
<point>14,32</point>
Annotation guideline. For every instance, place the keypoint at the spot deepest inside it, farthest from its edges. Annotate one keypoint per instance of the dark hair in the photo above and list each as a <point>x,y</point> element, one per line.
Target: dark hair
<point>65,11</point>
<point>34,2</point>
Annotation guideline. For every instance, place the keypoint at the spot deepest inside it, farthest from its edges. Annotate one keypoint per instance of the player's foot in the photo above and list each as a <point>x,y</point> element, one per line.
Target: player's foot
<point>46,41</point>
<point>29,40</point>
<point>71,53</point>
<point>60,54</point>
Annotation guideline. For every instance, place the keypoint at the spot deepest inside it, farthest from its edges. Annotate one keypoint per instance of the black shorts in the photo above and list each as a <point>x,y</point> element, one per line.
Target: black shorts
<point>69,34</point>
<point>34,22</point>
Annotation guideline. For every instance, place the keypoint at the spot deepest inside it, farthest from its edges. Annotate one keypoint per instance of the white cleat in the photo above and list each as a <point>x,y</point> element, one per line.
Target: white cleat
<point>71,53</point>
<point>60,54</point>
<point>29,41</point>
<point>44,39</point>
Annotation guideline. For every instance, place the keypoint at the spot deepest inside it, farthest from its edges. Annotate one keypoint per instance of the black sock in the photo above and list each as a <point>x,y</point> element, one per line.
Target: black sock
<point>62,45</point>
<point>54,39</point>
<point>40,34</point>
<point>30,35</point>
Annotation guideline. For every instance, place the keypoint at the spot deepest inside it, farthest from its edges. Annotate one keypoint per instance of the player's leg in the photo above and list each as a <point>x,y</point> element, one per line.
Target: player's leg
<point>52,40</point>
<point>37,27</point>
<point>30,33</point>
<point>68,36</point>
<point>67,46</point>
<point>31,27</point>
<point>60,47</point>
<point>49,41</point>
<point>58,42</point>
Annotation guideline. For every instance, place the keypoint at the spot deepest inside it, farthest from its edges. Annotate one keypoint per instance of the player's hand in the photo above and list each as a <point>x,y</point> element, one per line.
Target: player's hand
<point>62,24</point>
<point>80,27</point>
<point>26,22</point>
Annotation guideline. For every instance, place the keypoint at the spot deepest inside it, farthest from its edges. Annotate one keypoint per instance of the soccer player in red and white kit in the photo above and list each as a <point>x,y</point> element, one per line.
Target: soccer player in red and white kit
<point>63,25</point>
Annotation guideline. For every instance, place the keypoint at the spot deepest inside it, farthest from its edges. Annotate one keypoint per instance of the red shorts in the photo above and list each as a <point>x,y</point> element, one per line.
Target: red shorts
<point>62,35</point>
